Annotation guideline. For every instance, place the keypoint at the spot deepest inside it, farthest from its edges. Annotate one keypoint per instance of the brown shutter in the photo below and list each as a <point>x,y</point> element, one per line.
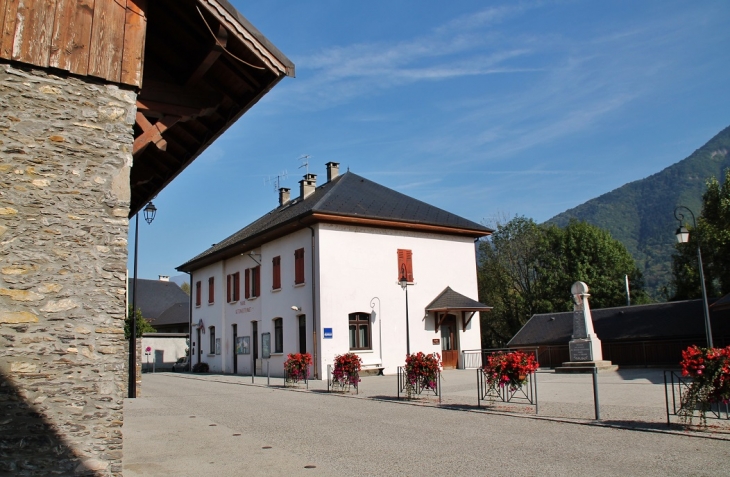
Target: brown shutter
<point>198,293</point>
<point>211,288</point>
<point>257,281</point>
<point>247,283</point>
<point>228,288</point>
<point>299,266</point>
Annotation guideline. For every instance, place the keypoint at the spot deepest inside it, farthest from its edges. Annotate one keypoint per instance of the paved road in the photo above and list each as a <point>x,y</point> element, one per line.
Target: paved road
<point>234,422</point>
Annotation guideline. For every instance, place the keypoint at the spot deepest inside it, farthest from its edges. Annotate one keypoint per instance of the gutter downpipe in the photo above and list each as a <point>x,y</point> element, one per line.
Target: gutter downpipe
<point>314,313</point>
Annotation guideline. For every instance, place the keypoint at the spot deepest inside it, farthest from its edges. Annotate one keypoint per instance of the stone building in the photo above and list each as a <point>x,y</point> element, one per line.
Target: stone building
<point>101,105</point>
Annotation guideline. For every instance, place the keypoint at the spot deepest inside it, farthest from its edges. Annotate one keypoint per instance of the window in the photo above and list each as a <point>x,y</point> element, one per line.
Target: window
<point>360,331</point>
<point>276,284</point>
<point>247,283</point>
<point>299,266</point>
<point>198,293</point>
<point>302,334</point>
<point>211,289</point>
<point>211,331</point>
<point>278,335</point>
<point>233,287</point>
<point>236,286</point>
<point>255,281</point>
<point>405,264</point>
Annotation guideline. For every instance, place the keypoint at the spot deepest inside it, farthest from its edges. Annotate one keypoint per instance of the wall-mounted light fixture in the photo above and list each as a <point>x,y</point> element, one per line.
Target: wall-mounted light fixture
<point>296,308</point>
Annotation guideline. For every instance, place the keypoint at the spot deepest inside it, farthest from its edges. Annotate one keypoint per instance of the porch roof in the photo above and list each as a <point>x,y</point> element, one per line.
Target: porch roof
<point>449,300</point>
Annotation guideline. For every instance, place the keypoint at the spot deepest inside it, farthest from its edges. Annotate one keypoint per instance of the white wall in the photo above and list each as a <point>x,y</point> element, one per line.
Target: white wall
<point>354,266</point>
<point>358,264</point>
<point>164,351</point>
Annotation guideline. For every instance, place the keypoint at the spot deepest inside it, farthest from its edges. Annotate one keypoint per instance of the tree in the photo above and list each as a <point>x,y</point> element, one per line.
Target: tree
<point>526,268</point>
<point>713,232</point>
<point>143,326</point>
<point>186,288</point>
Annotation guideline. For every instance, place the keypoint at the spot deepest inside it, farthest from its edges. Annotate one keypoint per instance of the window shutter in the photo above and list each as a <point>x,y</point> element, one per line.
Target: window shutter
<point>211,293</point>
<point>405,263</point>
<point>247,283</point>
<point>198,293</point>
<point>228,288</point>
<point>256,281</point>
<point>236,286</point>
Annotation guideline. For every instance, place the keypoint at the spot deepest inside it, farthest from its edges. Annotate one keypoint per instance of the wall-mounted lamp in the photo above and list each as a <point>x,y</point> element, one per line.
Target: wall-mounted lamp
<point>296,308</point>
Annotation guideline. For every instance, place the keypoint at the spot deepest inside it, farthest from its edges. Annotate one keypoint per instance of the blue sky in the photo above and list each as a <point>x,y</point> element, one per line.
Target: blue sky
<point>485,109</point>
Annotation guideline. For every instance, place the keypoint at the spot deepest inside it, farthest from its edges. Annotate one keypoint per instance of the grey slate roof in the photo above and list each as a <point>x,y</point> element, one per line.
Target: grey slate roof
<point>451,300</point>
<point>722,304</point>
<point>347,195</point>
<point>176,314</point>
<point>155,297</point>
<point>659,321</point>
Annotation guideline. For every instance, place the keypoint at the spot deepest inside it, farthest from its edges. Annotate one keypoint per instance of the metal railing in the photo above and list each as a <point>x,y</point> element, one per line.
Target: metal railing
<point>525,394</point>
<point>418,386</point>
<point>296,379</point>
<point>341,386</point>
<point>675,387</point>
<point>474,358</point>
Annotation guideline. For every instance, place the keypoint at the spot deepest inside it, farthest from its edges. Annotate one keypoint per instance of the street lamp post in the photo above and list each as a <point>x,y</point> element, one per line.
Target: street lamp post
<point>683,237</point>
<point>149,216</point>
<point>403,282</point>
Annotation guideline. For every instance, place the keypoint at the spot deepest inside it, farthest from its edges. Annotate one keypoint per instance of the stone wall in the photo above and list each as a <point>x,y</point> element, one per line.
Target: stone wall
<point>65,155</point>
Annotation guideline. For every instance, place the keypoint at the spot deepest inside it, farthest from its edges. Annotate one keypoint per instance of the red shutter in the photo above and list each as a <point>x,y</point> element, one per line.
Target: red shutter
<point>299,266</point>
<point>257,281</point>
<point>247,283</point>
<point>277,273</point>
<point>228,288</point>
<point>211,295</point>
<point>405,264</point>
<point>198,293</point>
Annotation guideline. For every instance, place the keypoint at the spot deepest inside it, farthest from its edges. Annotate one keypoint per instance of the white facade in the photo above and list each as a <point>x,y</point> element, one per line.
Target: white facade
<point>355,270</point>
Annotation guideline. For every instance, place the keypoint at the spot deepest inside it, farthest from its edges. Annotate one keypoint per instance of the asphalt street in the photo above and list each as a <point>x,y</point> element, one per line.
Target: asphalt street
<point>224,426</point>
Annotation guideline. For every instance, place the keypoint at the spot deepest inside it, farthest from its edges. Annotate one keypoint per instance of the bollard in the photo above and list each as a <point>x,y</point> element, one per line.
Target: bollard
<point>595,394</point>
<point>268,375</point>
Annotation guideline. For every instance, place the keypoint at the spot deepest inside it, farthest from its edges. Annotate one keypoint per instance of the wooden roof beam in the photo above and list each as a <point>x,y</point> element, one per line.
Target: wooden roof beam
<point>152,133</point>
<point>221,40</point>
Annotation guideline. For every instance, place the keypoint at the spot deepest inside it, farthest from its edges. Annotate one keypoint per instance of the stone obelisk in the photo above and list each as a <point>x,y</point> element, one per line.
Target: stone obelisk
<point>584,346</point>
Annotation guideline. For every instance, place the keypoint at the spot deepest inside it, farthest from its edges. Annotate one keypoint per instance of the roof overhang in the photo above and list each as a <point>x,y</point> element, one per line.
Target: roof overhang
<point>205,65</point>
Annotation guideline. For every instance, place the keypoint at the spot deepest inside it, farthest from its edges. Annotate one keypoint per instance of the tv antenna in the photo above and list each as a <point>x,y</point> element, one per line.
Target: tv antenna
<point>276,180</point>
<point>305,162</point>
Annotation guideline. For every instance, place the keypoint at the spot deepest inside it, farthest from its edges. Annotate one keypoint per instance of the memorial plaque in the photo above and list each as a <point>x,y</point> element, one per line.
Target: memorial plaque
<point>580,350</point>
<point>579,325</point>
<point>266,345</point>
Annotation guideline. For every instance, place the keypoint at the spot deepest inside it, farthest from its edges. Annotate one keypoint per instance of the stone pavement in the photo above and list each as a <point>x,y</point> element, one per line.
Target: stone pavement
<point>371,433</point>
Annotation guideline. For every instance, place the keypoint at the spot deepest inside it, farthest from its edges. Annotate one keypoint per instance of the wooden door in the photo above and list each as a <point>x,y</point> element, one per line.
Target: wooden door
<point>449,346</point>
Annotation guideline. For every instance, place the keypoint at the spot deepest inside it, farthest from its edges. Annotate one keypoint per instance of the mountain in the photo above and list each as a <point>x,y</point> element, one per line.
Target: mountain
<point>640,214</point>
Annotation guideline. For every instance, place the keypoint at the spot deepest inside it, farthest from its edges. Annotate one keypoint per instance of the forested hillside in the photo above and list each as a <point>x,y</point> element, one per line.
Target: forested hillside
<point>640,214</point>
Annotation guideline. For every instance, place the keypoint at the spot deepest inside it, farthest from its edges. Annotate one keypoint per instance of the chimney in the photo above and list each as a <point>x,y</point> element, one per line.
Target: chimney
<point>333,170</point>
<point>307,185</point>
<point>283,196</point>
<point>164,278</point>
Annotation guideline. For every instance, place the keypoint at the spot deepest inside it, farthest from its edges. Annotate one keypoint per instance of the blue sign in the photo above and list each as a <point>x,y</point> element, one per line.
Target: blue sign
<point>328,333</point>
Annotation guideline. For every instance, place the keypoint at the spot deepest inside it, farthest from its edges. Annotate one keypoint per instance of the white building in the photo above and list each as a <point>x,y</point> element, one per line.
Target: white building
<point>320,274</point>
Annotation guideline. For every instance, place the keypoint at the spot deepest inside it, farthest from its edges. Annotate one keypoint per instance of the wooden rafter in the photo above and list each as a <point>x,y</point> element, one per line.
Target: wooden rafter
<point>211,57</point>
<point>152,133</point>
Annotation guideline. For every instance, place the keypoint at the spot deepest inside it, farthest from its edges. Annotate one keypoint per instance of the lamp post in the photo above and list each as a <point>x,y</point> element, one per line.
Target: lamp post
<point>403,282</point>
<point>683,237</point>
<point>149,215</point>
